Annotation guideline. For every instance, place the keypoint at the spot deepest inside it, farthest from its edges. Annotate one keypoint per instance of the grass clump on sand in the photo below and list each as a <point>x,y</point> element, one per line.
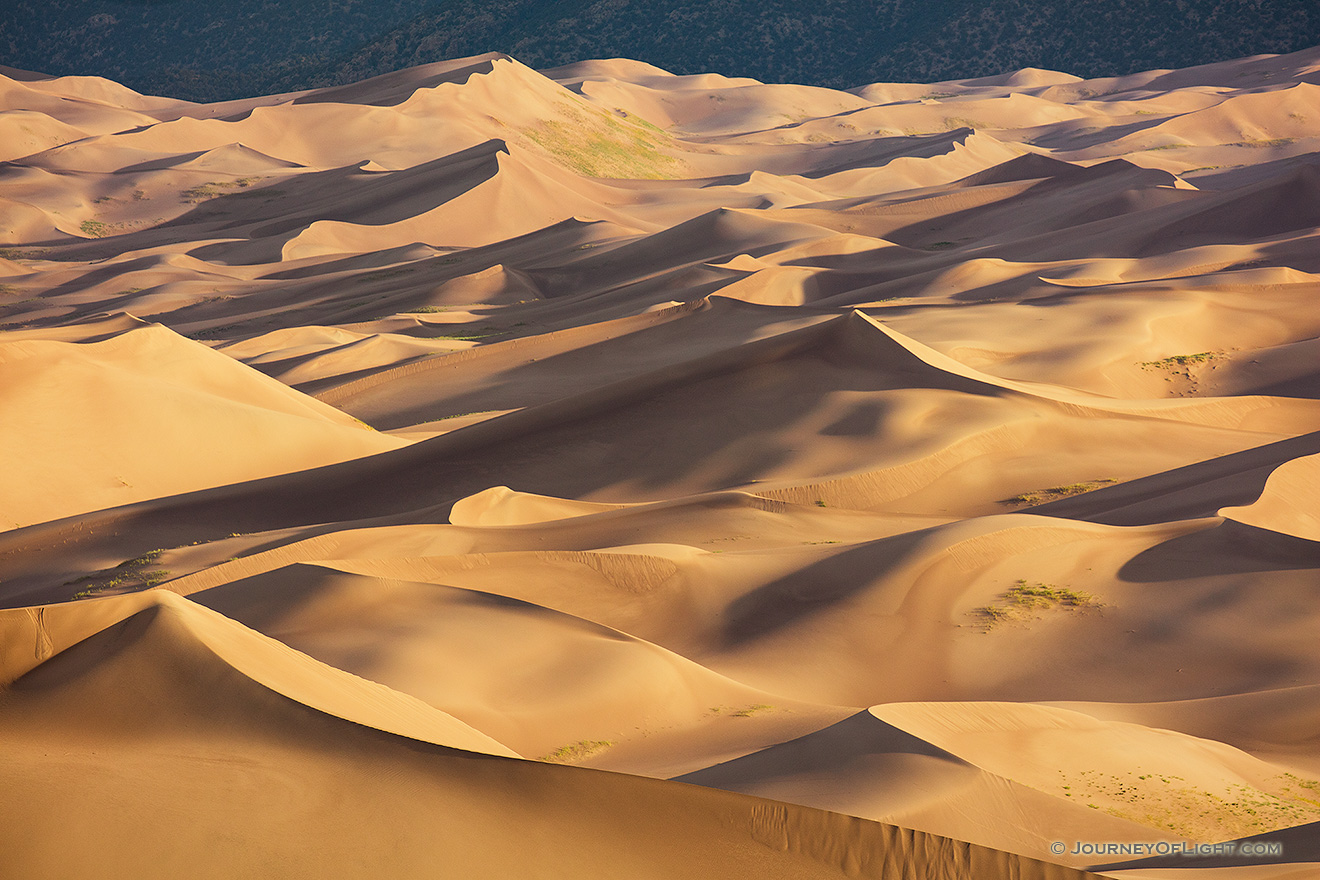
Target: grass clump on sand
<point>211,189</point>
<point>1180,365</point>
<point>1022,601</point>
<point>1264,142</point>
<point>471,335</point>
<point>573,753</point>
<point>392,272</point>
<point>745,712</point>
<point>1181,360</point>
<point>94,228</point>
<point>1054,493</point>
<point>1310,786</point>
<point>599,144</point>
<point>952,123</point>
<point>9,253</point>
<point>361,424</point>
<point>1170,803</point>
<point>131,574</point>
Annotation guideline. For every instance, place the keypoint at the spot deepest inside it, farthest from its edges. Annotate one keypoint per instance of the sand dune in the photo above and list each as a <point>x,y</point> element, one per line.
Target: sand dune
<point>273,762</point>
<point>1285,504</point>
<point>868,767</point>
<point>170,632</point>
<point>492,662</point>
<point>174,417</point>
<point>388,460</point>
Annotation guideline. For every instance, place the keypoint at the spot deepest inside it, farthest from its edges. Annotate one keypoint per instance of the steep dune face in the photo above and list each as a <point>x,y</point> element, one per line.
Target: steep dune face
<point>1285,505</point>
<point>944,456</point>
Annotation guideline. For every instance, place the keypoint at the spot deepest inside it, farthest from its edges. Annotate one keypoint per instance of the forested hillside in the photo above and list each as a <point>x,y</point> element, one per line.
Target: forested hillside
<point>212,51</point>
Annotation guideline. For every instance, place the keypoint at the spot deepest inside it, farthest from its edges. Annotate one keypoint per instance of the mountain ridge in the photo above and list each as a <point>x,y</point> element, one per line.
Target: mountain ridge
<point>191,50</point>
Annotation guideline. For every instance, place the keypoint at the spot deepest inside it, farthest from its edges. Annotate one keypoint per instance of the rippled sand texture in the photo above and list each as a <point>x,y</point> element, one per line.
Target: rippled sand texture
<point>925,473</point>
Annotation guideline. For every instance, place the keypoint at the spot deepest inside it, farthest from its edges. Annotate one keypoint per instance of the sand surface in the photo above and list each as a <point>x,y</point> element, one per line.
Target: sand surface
<point>598,473</point>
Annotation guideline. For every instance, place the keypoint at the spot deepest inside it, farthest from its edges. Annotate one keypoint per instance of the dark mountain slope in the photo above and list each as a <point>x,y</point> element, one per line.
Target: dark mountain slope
<point>205,51</point>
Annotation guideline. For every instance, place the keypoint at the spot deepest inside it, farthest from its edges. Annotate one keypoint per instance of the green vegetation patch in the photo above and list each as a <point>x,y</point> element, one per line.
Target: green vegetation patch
<point>651,126</point>
<point>1181,364</point>
<point>213,332</point>
<point>955,122</point>
<point>1024,601</point>
<point>600,144</point>
<point>361,424</point>
<point>1182,360</point>
<point>1265,142</point>
<point>1054,493</point>
<point>94,228</point>
<point>1170,803</point>
<point>130,575</point>
<point>479,333</point>
<point>577,752</point>
<point>463,415</point>
<point>392,272</point>
<point>212,188</point>
<point>1310,789</point>
<point>27,254</point>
